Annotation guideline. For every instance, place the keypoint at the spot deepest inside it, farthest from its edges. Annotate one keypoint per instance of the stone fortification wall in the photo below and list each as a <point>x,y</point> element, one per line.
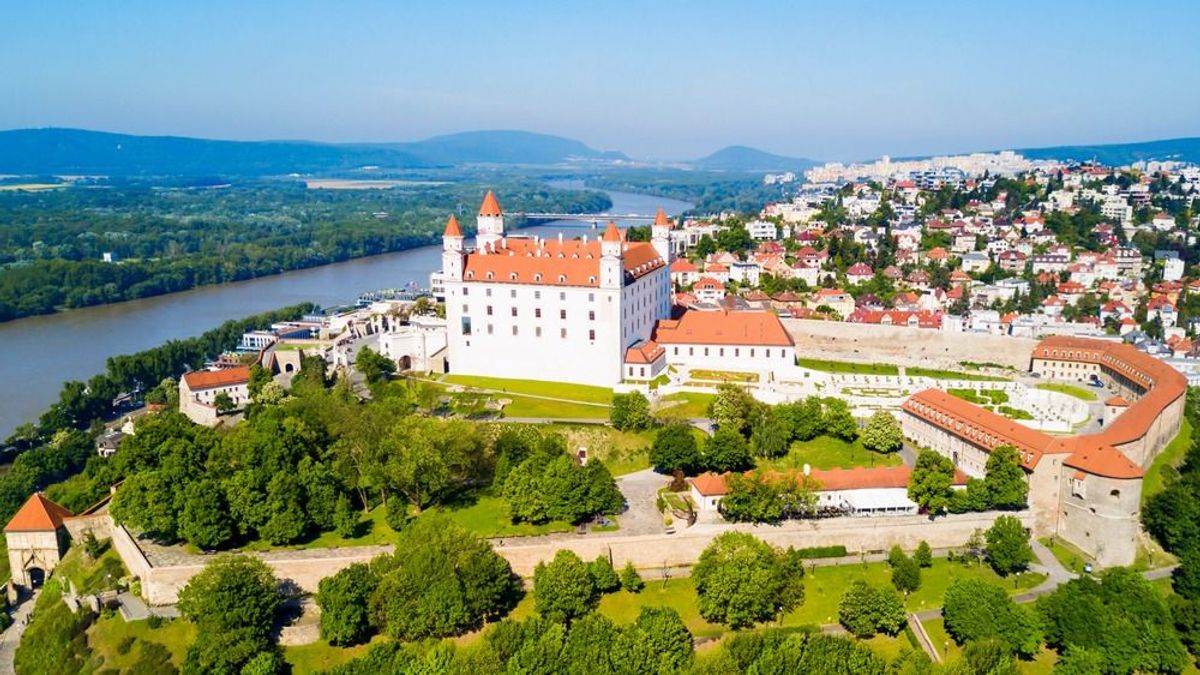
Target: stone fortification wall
<point>901,345</point>
<point>161,584</point>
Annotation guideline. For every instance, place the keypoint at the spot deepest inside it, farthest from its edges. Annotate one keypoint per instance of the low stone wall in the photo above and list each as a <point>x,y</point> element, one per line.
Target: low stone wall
<point>901,345</point>
<point>161,585</point>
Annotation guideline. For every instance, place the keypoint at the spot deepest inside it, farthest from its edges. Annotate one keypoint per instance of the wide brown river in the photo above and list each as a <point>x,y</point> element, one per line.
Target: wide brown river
<point>39,354</point>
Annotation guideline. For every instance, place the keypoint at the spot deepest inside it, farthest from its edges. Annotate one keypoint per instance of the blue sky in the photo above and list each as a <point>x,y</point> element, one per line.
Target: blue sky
<point>829,80</point>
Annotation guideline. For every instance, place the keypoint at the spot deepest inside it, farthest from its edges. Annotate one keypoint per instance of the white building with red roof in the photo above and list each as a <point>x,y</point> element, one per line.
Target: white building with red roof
<point>551,309</point>
<point>198,392</point>
<point>36,539</point>
<point>747,340</point>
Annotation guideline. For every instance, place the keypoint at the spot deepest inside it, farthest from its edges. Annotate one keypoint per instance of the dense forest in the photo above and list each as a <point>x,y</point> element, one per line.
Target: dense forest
<point>708,192</point>
<point>164,240</point>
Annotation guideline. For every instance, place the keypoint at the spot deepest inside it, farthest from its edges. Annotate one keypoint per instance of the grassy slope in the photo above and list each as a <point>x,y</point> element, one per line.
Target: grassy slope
<point>522,406</point>
<point>848,367</point>
<point>1080,393</point>
<point>691,406</point>
<point>573,392</point>
<point>1171,456</point>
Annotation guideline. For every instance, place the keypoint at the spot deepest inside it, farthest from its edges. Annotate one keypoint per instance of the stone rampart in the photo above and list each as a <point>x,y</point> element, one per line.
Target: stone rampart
<point>901,345</point>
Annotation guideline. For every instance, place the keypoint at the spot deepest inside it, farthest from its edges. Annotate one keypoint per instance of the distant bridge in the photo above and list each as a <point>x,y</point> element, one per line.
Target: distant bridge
<point>594,218</point>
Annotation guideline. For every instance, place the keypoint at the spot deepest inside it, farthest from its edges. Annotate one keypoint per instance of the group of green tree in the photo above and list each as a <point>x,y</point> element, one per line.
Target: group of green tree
<point>51,242</point>
<point>60,444</point>
<point>1004,485</point>
<point>906,569</point>
<point>313,460</point>
<point>1172,517</point>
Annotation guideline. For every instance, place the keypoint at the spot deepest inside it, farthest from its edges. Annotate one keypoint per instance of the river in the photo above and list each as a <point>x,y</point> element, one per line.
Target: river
<point>41,353</point>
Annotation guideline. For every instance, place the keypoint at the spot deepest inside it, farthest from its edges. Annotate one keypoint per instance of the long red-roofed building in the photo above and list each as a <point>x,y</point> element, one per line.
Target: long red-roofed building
<point>36,539</point>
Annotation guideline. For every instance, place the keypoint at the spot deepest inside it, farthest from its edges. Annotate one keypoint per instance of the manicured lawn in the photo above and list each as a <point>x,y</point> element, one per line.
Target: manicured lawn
<point>848,367</point>
<point>1081,393</point>
<point>940,374</point>
<point>1067,554</point>
<point>321,656</point>
<point>723,375</point>
<point>936,628</point>
<point>824,452</point>
<point>685,405</point>
<point>539,407</point>
<point>486,514</point>
<point>574,392</point>
<point>678,594</point>
<point>373,530</point>
<point>824,586</point>
<point>1170,456</point>
<point>106,635</point>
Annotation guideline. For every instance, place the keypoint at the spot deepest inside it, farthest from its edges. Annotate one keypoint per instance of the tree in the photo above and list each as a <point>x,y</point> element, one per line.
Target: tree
<point>806,418</point>
<point>223,402</point>
<point>675,449</point>
<point>741,580</point>
<point>232,602</point>
<point>630,579</point>
<point>1079,661</point>
<point>1008,548</point>
<point>1004,480</point>
<point>563,589</point>
<point>865,610</point>
<point>769,435</point>
<point>727,450</point>
<point>976,610</point>
<point>929,484</point>
<point>204,521</point>
<point>659,641</point>
<point>631,412</point>
<point>923,555</point>
<point>440,581</point>
<point>906,575</point>
<point>839,422</point>
<point>259,377</point>
<point>373,366</point>
<point>731,407</point>
<point>344,601</point>
<point>882,433</point>
<point>604,577</point>
<point>1185,579</point>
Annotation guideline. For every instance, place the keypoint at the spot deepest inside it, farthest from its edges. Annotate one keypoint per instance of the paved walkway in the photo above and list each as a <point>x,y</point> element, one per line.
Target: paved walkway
<point>640,490</point>
<point>10,638</point>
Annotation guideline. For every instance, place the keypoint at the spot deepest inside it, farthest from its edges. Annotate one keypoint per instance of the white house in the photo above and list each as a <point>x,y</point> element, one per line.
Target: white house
<point>198,392</point>
<point>749,340</point>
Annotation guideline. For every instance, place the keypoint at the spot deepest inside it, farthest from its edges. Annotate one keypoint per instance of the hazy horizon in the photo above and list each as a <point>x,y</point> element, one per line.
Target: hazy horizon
<point>665,81</point>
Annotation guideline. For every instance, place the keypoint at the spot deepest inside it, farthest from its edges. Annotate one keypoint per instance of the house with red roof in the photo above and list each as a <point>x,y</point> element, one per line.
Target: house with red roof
<point>709,290</point>
<point>200,391</point>
<point>37,539</point>
<point>859,273</point>
<point>734,340</point>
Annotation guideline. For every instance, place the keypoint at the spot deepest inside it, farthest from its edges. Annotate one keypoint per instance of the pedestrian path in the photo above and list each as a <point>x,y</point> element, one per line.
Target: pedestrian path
<point>11,637</point>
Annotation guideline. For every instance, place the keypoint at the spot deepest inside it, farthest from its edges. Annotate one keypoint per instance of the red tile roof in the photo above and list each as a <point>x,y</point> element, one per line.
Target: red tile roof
<point>521,260</point>
<point>661,219</point>
<point>452,228</point>
<point>38,514</point>
<point>644,352</point>
<point>490,206</point>
<point>208,379</point>
<point>749,328</point>
<point>611,233</point>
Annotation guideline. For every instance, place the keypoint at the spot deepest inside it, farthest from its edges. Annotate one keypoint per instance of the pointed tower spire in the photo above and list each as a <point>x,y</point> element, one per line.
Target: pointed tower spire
<point>661,220</point>
<point>611,233</point>
<point>490,206</point>
<point>452,228</point>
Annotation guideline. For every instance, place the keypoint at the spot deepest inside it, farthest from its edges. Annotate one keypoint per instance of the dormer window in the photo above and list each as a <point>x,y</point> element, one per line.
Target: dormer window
<point>591,280</point>
<point>537,277</point>
<point>491,275</point>
<point>562,278</point>
<point>512,276</point>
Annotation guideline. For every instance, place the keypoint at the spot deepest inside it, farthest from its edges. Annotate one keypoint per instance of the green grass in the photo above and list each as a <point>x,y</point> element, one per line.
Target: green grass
<point>573,392</point>
<point>939,374</point>
<point>621,451</point>
<point>1167,460</point>
<point>1080,393</point>
<point>5,569</point>
<point>98,575</point>
<point>690,405</point>
<point>723,375</point>
<point>824,452</point>
<point>848,367</point>
<point>108,632</point>
<point>373,530</point>
<point>321,656</point>
<point>678,594</point>
<point>486,514</point>
<point>1043,663</point>
<point>1067,554</point>
<point>537,407</point>
<point>823,588</point>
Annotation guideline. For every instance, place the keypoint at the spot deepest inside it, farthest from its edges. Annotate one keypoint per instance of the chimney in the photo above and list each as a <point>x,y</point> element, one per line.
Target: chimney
<point>585,239</point>
<point>560,236</point>
<point>807,470</point>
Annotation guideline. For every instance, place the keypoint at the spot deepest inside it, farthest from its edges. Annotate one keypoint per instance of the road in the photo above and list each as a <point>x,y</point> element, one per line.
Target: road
<point>11,637</point>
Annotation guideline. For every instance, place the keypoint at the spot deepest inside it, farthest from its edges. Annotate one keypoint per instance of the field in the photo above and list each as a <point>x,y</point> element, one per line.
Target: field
<point>31,187</point>
<point>1081,393</point>
<point>824,452</point>
<point>684,405</point>
<point>572,392</point>
<point>112,634</point>
<point>1170,457</point>
<point>848,367</point>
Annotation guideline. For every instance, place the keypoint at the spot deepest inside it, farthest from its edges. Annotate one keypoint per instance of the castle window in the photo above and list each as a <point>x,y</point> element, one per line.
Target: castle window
<point>562,295</point>
<point>562,333</point>
<point>489,329</point>
<point>537,312</point>
<point>1115,493</point>
<point>489,310</point>
<point>592,335</point>
<point>537,331</point>
<point>513,292</point>
<point>537,295</point>
<point>591,315</point>
<point>592,296</point>
<point>514,330</point>
<point>562,313</point>
<point>514,311</point>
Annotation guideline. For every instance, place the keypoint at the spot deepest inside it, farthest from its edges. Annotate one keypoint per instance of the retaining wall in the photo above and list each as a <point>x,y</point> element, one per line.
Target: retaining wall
<point>901,345</point>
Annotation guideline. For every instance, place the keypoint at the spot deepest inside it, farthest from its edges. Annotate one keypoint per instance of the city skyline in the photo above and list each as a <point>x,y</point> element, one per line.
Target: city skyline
<point>829,83</point>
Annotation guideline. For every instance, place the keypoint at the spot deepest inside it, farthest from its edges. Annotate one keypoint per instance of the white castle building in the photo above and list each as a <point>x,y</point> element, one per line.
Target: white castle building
<point>548,309</point>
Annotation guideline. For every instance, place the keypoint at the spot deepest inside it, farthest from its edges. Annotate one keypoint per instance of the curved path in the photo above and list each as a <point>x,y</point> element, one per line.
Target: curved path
<point>11,637</point>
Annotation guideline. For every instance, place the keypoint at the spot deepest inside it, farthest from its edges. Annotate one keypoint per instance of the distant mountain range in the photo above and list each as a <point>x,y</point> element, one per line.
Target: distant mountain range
<point>1117,154</point>
<point>77,151</point>
<point>742,158</point>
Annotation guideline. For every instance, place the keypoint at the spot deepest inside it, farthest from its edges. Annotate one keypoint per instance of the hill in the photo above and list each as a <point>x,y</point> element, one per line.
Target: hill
<point>1117,154</point>
<point>78,151</point>
<point>743,158</point>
